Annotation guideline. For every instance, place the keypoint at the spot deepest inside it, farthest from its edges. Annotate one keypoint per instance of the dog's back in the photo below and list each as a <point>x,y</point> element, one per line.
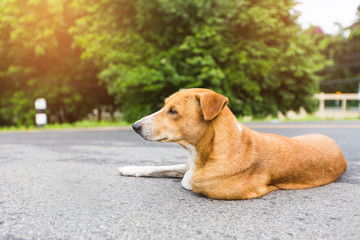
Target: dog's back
<point>304,161</point>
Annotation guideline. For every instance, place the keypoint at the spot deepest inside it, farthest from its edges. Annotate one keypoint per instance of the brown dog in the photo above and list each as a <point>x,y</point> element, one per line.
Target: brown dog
<point>228,160</point>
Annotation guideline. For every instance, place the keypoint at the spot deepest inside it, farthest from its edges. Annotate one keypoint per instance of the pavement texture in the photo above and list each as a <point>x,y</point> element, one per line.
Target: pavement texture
<point>65,185</point>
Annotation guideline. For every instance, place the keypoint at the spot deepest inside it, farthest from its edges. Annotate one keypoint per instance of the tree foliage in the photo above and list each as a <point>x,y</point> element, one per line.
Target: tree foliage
<point>38,60</point>
<point>344,50</point>
<point>253,52</point>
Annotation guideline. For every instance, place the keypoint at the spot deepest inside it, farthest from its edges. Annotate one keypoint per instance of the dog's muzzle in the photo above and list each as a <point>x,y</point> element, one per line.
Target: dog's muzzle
<point>145,128</point>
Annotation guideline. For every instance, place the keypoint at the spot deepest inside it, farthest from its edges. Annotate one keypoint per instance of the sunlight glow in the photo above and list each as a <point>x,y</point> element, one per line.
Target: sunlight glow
<point>326,13</point>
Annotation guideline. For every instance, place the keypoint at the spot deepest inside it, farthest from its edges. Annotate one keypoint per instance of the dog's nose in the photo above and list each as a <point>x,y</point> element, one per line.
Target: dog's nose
<point>137,127</point>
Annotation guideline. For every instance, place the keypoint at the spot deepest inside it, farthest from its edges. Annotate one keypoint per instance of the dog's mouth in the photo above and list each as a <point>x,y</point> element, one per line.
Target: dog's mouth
<point>162,140</point>
<point>147,138</point>
<point>165,139</point>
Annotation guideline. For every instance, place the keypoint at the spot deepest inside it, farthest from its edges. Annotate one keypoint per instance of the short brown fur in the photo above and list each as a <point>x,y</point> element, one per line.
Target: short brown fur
<point>242,164</point>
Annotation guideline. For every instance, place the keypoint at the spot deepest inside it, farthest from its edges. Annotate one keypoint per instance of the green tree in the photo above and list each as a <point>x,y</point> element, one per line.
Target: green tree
<point>40,61</point>
<point>344,50</point>
<point>251,51</point>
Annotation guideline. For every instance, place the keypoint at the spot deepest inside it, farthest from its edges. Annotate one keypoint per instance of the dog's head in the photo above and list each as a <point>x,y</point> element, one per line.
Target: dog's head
<point>184,118</point>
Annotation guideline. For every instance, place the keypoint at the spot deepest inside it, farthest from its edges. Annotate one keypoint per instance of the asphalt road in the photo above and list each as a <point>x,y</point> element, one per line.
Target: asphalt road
<point>65,185</point>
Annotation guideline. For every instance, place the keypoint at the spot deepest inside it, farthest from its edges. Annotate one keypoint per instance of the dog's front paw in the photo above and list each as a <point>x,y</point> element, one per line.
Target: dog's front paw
<point>130,171</point>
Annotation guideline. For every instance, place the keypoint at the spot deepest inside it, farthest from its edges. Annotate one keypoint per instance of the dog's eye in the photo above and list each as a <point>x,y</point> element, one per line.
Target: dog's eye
<point>172,111</point>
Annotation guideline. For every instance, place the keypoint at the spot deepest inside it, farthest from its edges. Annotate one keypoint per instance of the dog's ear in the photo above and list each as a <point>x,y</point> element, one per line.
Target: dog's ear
<point>211,104</point>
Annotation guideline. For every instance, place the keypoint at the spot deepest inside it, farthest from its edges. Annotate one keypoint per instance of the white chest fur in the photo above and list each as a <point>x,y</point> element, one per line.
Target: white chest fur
<point>239,126</point>
<point>185,182</point>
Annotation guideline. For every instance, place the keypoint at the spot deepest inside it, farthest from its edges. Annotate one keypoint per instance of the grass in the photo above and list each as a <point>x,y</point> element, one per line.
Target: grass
<point>79,124</point>
<point>307,118</point>
<point>94,124</point>
<point>311,118</point>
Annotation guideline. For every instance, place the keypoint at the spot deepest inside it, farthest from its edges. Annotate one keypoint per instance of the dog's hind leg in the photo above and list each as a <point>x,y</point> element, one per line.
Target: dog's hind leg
<point>177,171</point>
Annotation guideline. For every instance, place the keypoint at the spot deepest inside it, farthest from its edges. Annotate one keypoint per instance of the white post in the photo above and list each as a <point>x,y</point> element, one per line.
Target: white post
<point>321,103</point>
<point>359,97</point>
<point>40,107</point>
<point>343,103</point>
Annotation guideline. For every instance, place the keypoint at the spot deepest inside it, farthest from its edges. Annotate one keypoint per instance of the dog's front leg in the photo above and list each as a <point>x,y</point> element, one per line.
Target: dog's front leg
<point>177,171</point>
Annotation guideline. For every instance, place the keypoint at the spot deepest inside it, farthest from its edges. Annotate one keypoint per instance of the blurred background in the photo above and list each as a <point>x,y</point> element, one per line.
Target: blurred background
<point>118,59</point>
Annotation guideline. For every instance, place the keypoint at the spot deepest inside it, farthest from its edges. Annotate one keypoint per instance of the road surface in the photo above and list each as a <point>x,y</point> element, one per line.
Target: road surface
<point>65,185</point>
